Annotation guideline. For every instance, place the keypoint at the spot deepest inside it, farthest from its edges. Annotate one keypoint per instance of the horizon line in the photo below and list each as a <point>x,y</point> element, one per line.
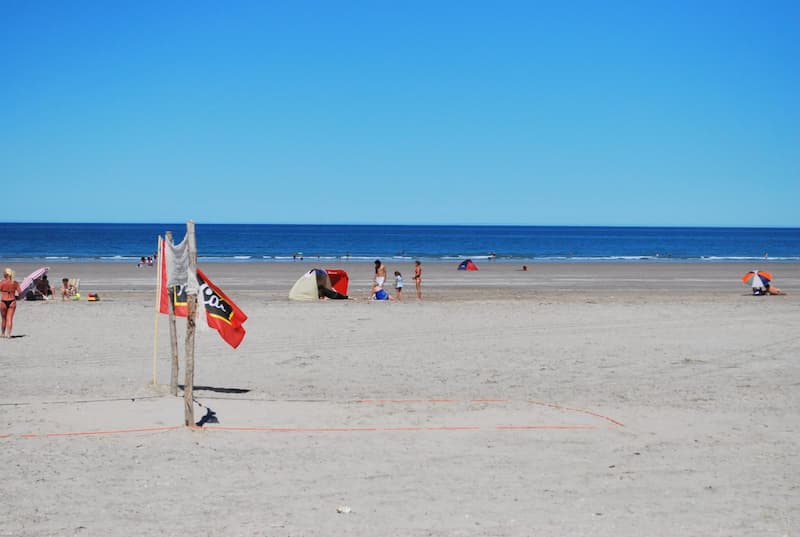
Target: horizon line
<point>363,224</point>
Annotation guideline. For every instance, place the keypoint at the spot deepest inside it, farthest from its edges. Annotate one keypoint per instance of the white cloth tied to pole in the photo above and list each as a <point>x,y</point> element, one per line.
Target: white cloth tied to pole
<point>177,262</point>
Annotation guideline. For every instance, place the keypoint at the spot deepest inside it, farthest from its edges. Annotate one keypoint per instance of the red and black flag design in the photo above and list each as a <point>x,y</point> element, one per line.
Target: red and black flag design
<point>222,313</point>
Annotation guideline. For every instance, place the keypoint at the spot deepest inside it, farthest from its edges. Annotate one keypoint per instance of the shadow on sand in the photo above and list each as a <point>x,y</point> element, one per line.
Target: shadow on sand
<point>216,389</point>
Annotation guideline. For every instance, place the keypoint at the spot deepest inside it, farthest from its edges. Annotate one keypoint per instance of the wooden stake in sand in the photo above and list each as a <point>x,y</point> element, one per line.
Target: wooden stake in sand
<point>173,340</point>
<point>191,302</point>
<point>158,312</point>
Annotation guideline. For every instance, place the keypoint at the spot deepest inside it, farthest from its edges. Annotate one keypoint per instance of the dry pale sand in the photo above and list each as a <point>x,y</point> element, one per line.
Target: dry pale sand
<point>582,399</point>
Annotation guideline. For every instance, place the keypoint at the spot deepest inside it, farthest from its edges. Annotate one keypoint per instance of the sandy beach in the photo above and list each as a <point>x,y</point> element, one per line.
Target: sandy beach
<point>625,399</point>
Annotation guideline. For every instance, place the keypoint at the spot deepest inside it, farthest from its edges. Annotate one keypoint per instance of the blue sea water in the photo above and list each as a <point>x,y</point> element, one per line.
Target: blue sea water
<point>257,243</point>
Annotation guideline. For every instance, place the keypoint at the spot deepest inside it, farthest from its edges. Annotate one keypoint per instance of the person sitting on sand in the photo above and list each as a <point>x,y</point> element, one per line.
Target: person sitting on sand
<point>769,289</point>
<point>67,289</point>
<point>9,290</point>
<point>325,287</point>
<point>379,293</point>
<point>43,287</point>
<point>330,292</point>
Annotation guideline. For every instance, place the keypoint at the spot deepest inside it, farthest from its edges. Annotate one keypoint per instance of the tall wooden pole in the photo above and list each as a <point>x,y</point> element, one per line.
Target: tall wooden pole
<point>173,338</point>
<point>191,300</point>
<point>157,313</point>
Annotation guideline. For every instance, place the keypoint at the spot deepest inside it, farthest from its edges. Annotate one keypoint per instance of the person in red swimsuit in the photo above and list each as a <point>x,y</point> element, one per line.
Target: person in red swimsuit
<point>9,289</point>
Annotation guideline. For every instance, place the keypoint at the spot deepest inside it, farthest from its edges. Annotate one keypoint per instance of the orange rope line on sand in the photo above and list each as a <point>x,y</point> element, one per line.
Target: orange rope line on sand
<point>97,433</point>
<point>443,428</point>
<point>291,429</point>
<point>532,427</point>
<point>451,428</point>
<point>404,401</point>
<point>581,410</point>
<point>355,429</point>
<point>396,429</point>
<point>540,403</point>
<point>339,429</point>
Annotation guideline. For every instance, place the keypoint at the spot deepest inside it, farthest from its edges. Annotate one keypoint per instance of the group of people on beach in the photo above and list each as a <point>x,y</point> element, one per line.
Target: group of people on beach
<point>379,293</point>
<point>10,292</point>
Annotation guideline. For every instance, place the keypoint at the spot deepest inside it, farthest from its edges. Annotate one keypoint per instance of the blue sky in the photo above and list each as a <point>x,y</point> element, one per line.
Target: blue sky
<point>413,112</point>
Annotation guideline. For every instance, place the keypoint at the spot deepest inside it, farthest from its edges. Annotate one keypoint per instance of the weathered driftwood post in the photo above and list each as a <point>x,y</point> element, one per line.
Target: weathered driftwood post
<point>155,322</point>
<point>173,338</point>
<point>191,303</point>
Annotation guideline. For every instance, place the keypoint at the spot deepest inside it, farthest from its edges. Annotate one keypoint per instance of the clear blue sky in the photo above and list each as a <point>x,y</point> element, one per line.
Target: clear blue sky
<point>421,112</point>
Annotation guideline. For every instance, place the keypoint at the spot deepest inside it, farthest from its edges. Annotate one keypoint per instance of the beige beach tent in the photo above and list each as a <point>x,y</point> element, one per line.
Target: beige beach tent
<point>319,283</point>
<point>305,288</point>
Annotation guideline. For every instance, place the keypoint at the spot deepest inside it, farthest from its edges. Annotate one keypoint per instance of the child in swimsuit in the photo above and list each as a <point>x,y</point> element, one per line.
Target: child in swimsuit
<point>398,284</point>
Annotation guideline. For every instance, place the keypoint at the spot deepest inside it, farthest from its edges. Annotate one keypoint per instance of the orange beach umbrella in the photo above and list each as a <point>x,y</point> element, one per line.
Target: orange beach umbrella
<point>757,278</point>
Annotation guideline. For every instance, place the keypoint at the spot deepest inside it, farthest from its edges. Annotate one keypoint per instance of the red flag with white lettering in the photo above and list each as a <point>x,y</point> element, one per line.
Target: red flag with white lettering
<point>221,312</point>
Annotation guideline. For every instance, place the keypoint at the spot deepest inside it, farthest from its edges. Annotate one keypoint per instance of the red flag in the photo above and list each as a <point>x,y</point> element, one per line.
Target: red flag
<point>221,312</point>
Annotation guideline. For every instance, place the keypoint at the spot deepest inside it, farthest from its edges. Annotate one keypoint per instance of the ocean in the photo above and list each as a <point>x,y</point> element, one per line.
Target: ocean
<point>267,243</point>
